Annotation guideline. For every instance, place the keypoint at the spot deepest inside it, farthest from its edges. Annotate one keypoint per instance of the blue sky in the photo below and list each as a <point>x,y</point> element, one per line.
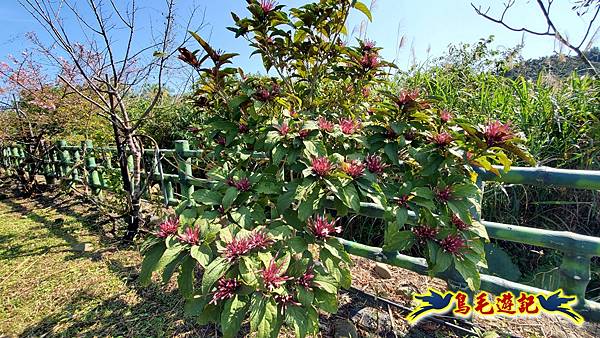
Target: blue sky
<point>428,26</point>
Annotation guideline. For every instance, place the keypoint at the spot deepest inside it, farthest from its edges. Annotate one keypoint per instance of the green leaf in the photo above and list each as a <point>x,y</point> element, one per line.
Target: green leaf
<point>306,208</point>
<point>230,196</point>
<point>248,270</point>
<point>195,305</point>
<point>201,253</point>
<point>169,256</point>
<point>185,279</point>
<point>215,270</point>
<point>172,266</point>
<point>232,316</point>
<point>263,313</point>
<point>326,301</point>
<point>398,240</point>
<point>401,217</point>
<point>296,317</point>
<point>207,197</point>
<point>364,9</point>
<point>391,150</point>
<point>325,283</point>
<point>350,197</point>
<point>442,262</point>
<point>305,297</point>
<point>469,272</point>
<point>150,262</point>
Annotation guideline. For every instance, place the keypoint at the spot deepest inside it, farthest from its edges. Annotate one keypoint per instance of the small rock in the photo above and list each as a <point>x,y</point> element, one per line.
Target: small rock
<point>345,329</point>
<point>154,221</point>
<point>82,247</point>
<point>383,271</point>
<point>372,320</point>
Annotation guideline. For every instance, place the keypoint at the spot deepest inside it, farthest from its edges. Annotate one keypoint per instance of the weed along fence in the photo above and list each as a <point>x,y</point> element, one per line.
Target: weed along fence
<point>172,170</point>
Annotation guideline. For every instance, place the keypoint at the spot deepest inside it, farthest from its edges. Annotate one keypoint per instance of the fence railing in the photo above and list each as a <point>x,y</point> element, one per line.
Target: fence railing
<point>172,170</point>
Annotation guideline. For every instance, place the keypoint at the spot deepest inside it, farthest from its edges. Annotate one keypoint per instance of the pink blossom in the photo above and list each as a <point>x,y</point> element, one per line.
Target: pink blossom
<point>425,232</point>
<point>445,116</point>
<point>442,139</point>
<point>375,164</point>
<point>306,279</point>
<point>226,288</point>
<point>283,129</point>
<point>273,276</point>
<point>190,236</point>
<point>243,184</point>
<point>497,133</point>
<point>459,223</point>
<point>443,195</point>
<point>321,166</point>
<point>353,168</point>
<point>349,126</point>
<point>168,227</point>
<point>325,125</point>
<point>322,228</point>
<point>453,244</point>
<point>267,5</point>
<point>407,97</point>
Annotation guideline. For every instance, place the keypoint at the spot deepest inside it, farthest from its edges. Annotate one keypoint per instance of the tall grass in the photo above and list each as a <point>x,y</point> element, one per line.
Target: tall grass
<point>561,120</point>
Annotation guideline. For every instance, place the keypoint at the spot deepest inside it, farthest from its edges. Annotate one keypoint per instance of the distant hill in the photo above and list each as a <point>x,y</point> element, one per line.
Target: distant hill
<point>558,65</point>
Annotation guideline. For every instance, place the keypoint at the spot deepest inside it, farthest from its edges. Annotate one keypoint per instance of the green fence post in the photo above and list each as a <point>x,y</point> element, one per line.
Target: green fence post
<point>92,168</point>
<point>65,159</point>
<point>574,275</point>
<point>48,168</point>
<point>76,161</point>
<point>55,163</point>
<point>184,166</point>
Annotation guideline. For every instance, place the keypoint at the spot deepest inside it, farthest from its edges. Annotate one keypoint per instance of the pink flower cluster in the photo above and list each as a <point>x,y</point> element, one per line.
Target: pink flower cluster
<point>241,246</point>
<point>375,164</point>
<point>322,228</point>
<point>354,168</point>
<point>425,232</point>
<point>459,223</point>
<point>349,126</point>
<point>226,288</point>
<point>190,236</point>
<point>497,133</point>
<point>325,125</point>
<point>453,244</point>
<point>321,166</point>
<point>273,276</point>
<point>168,227</point>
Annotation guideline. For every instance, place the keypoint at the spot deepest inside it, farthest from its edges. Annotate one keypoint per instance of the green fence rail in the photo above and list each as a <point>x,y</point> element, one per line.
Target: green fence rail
<point>172,170</point>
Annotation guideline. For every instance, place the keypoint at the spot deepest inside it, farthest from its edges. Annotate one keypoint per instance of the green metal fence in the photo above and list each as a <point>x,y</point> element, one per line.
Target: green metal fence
<point>172,170</point>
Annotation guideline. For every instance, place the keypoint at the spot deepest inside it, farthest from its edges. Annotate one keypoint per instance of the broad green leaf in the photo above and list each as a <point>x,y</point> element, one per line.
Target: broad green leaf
<point>364,9</point>
<point>469,272</point>
<point>207,197</point>
<point>326,301</point>
<point>201,253</point>
<point>350,197</point>
<point>442,262</point>
<point>296,317</point>
<point>185,279</point>
<point>230,196</point>
<point>172,266</point>
<point>232,316</point>
<point>215,270</point>
<point>263,314</point>
<point>150,262</point>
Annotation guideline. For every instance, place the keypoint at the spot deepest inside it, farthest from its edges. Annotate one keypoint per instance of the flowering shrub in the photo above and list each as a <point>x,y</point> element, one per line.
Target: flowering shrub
<point>261,238</point>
